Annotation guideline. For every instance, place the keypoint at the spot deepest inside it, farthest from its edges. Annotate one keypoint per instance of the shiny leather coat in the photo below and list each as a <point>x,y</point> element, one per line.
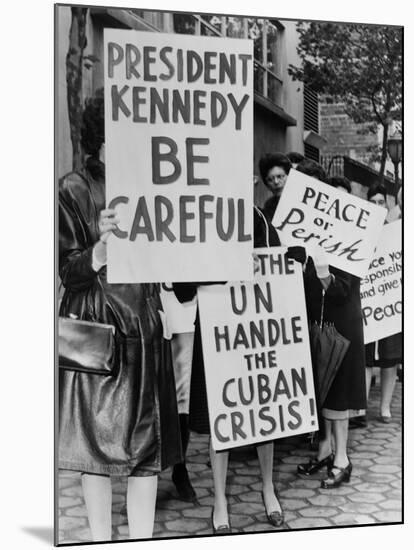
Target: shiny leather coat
<point>125,424</point>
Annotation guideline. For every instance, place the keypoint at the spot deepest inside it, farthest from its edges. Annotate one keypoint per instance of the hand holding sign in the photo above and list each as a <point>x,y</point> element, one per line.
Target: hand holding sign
<point>108,222</point>
<point>316,215</point>
<point>321,263</point>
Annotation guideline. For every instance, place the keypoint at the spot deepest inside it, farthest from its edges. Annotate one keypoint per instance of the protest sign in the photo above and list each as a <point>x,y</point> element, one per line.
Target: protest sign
<point>180,317</point>
<point>179,156</point>
<point>381,287</point>
<point>313,214</point>
<point>256,354</point>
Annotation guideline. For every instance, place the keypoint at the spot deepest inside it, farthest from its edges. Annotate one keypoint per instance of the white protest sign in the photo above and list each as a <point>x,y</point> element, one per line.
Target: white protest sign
<point>311,214</point>
<point>179,155</point>
<point>256,354</point>
<point>381,291</point>
<point>180,317</point>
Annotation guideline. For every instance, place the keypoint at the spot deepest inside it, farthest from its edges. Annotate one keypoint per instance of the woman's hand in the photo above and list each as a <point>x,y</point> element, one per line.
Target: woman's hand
<point>321,263</point>
<point>108,221</point>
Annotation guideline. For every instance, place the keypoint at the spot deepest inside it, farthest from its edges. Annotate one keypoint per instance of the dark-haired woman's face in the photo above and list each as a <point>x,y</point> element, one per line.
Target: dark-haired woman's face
<point>379,199</point>
<point>276,179</point>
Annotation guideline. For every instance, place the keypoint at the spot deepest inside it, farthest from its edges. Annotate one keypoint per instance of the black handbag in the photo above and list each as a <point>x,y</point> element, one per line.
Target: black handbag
<point>86,346</point>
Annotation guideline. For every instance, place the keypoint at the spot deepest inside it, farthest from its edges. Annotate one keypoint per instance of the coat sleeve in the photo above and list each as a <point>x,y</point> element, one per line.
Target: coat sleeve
<point>340,288</point>
<point>185,292</point>
<point>75,246</point>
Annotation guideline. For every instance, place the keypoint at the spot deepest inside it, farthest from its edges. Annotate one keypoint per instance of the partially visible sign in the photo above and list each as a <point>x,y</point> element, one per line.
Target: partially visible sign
<point>256,354</point>
<point>381,288</point>
<point>313,214</point>
<point>178,154</point>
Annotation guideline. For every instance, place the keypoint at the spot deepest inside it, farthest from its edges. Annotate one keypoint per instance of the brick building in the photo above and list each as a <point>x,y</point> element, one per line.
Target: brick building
<point>348,150</point>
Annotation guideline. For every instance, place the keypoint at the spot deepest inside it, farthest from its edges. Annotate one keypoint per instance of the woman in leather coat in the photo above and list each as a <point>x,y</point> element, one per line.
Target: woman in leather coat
<point>127,423</point>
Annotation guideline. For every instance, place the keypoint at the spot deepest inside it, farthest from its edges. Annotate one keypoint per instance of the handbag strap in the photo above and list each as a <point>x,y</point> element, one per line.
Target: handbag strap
<point>322,308</point>
<point>266,225</point>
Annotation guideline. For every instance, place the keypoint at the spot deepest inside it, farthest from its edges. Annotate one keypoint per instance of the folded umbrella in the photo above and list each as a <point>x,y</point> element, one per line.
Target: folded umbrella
<point>328,351</point>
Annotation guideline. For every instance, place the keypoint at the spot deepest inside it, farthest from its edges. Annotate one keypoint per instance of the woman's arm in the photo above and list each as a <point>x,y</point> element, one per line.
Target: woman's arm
<point>336,283</point>
<point>75,256</point>
<point>185,292</point>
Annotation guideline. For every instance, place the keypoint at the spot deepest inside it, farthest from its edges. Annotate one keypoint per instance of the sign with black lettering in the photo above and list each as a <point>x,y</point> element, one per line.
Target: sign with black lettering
<point>179,156</point>
<point>381,288</point>
<point>313,214</point>
<point>256,354</point>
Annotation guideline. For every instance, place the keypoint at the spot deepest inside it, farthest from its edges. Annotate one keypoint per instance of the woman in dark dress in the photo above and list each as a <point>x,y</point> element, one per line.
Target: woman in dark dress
<point>125,424</point>
<point>338,293</point>
<point>386,353</point>
<point>264,235</point>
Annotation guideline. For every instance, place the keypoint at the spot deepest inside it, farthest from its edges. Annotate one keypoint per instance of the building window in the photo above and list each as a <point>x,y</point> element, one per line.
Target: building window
<point>311,120</point>
<point>265,34</point>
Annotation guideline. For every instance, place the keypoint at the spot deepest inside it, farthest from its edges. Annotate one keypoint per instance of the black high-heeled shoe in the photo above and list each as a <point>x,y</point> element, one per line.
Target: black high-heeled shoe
<point>275,518</point>
<point>335,480</point>
<point>314,465</point>
<point>224,529</point>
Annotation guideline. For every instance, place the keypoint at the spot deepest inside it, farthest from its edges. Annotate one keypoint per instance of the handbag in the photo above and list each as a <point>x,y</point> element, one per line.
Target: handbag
<point>86,346</point>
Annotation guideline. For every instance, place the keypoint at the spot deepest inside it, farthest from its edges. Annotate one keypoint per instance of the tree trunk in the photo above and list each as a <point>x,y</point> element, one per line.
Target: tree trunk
<point>74,72</point>
<point>385,127</point>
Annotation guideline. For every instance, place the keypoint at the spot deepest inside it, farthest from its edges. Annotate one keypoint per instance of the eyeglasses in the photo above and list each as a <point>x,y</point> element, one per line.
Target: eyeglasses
<point>277,177</point>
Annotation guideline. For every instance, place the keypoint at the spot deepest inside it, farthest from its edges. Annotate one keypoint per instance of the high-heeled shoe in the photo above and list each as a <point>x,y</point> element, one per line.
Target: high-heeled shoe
<point>314,465</point>
<point>335,480</point>
<point>224,529</point>
<point>276,517</point>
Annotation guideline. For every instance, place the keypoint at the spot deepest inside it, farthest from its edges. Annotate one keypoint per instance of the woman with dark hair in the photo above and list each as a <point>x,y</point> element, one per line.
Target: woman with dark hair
<point>125,424</point>
<point>295,158</point>
<point>387,352</point>
<point>264,235</point>
<point>338,294</point>
<point>340,182</point>
<point>313,169</point>
<point>274,169</point>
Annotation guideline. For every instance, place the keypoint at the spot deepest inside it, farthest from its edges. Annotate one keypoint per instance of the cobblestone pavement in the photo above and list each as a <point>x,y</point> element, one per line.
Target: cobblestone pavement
<point>372,496</point>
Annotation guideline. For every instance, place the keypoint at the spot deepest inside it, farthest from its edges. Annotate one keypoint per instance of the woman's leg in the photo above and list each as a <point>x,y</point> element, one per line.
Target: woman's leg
<point>141,498</point>
<point>325,445</point>
<point>182,353</point>
<point>97,492</point>
<point>265,453</point>
<point>388,378</point>
<point>368,379</point>
<point>340,433</point>
<point>219,462</point>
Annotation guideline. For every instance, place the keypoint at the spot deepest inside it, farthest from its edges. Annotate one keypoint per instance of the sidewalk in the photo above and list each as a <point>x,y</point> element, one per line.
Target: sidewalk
<point>372,496</point>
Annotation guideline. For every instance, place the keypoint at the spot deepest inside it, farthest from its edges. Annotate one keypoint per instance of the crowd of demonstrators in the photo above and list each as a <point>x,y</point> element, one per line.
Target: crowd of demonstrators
<point>129,424</point>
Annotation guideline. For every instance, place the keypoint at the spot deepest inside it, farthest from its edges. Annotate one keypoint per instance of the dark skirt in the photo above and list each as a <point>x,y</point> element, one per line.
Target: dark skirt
<point>342,307</point>
<point>389,352</point>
